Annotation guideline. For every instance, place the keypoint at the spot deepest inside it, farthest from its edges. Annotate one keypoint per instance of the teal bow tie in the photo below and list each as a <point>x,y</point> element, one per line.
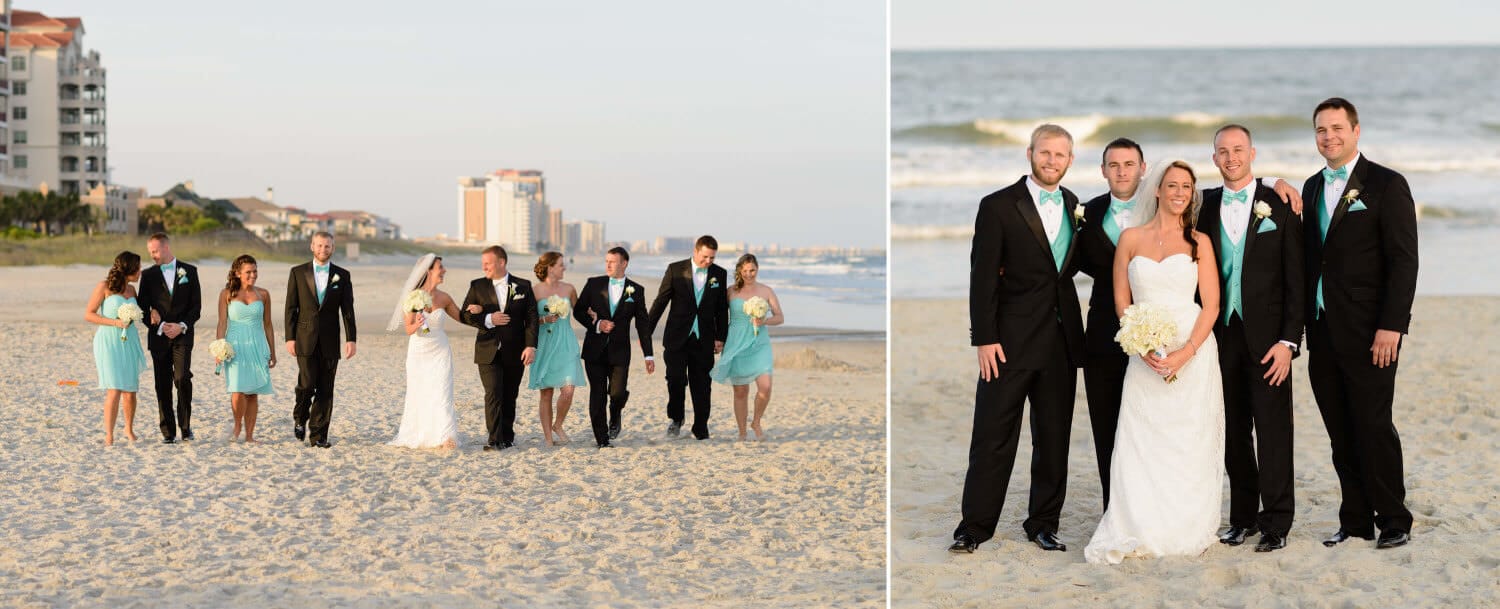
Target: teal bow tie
<point>1329,175</point>
<point>700,271</point>
<point>1051,198</point>
<point>320,269</point>
<point>1234,197</point>
<point>1117,206</point>
<point>614,281</point>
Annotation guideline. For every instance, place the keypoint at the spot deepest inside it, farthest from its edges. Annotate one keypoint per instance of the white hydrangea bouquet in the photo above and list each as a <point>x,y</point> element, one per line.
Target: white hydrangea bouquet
<point>131,314</point>
<point>417,301</point>
<point>757,308</point>
<point>1146,328</point>
<point>222,352</point>
<point>557,305</point>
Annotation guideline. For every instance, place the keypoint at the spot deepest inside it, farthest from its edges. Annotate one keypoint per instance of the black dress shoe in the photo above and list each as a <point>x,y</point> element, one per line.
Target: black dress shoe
<point>674,428</point>
<point>300,431</point>
<point>169,440</point>
<point>1270,542</point>
<point>490,446</point>
<point>1341,536</point>
<point>606,445</point>
<point>963,544</point>
<point>1236,535</point>
<point>1392,538</point>
<point>504,445</point>
<point>187,436</point>
<point>614,431</point>
<point>1047,540</point>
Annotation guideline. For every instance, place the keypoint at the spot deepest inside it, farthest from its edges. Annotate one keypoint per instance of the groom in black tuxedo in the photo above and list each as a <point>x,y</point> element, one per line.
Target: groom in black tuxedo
<point>605,307</point>
<point>696,328</point>
<point>1257,240</point>
<point>318,295</point>
<point>502,307</point>
<point>170,290</point>
<point>1025,322</point>
<point>1361,280</point>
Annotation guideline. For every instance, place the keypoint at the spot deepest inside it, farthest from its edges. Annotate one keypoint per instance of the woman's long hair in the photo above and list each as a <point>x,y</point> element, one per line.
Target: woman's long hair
<point>127,263</point>
<point>233,285</point>
<point>739,278</point>
<point>1147,202</point>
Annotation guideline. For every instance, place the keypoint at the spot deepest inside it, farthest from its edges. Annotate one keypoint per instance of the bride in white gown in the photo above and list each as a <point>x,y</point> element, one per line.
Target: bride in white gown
<point>1167,474</point>
<point>428,420</point>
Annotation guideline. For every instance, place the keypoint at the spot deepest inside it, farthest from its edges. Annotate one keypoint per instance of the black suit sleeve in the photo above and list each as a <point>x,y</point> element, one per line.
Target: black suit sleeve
<point>581,306</point>
<point>721,317</point>
<point>471,319</point>
<point>346,307</point>
<point>1294,287</point>
<point>150,299</point>
<point>1398,227</point>
<point>531,314</point>
<point>663,295</point>
<point>195,298</point>
<point>293,305</point>
<point>643,325</point>
<point>984,275</point>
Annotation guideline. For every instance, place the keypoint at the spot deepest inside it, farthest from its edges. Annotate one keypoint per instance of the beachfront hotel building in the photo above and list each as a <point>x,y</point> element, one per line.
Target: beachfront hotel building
<point>507,207</point>
<point>56,105</point>
<point>116,207</point>
<point>584,237</point>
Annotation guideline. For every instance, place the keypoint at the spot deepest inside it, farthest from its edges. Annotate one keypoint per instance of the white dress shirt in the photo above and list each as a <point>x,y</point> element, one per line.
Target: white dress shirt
<point>502,295</point>
<point>169,274</point>
<point>1332,192</point>
<point>320,278</point>
<point>1052,215</point>
<point>699,278</point>
<point>1236,216</point>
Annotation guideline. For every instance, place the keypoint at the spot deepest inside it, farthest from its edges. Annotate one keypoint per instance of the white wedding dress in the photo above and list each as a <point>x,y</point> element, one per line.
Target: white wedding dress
<point>1166,479</point>
<point>429,419</point>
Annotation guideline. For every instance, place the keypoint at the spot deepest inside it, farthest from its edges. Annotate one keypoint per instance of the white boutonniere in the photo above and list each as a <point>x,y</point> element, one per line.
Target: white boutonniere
<point>1351,194</point>
<point>181,275</point>
<point>713,282</point>
<point>629,290</point>
<point>334,281</point>
<point>1262,209</point>
<point>1078,214</point>
<point>513,295</point>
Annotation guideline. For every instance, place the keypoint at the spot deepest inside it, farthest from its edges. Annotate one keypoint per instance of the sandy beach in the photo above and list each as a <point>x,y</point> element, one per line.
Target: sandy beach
<point>1445,410</point>
<point>796,521</point>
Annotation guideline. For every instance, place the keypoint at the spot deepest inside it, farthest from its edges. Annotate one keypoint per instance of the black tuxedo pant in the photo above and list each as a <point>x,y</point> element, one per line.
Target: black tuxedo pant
<point>1354,397</point>
<point>314,407</point>
<point>1257,436</point>
<point>607,387</point>
<point>502,383</point>
<point>170,370</point>
<point>687,370</point>
<point>1104,380</point>
<point>998,404</point>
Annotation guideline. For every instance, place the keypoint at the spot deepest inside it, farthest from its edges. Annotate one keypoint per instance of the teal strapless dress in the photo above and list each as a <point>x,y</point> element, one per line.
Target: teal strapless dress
<point>120,362</point>
<point>557,361</point>
<point>747,355</point>
<point>249,371</point>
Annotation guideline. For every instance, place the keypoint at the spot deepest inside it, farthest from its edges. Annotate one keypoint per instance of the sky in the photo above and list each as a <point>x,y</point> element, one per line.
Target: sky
<point>760,122</point>
<point>975,24</point>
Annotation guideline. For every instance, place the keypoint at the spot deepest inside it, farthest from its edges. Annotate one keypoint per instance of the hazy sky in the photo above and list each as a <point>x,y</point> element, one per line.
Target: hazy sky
<point>937,24</point>
<point>757,121</point>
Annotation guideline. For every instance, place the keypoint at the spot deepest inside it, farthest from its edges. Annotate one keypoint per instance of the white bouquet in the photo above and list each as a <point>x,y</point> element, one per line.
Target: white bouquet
<point>557,305</point>
<point>222,352</point>
<point>131,314</point>
<point>1146,329</point>
<point>757,308</point>
<point>417,301</point>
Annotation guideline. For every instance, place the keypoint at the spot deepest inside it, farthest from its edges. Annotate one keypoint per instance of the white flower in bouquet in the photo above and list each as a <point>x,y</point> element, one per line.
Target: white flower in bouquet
<point>557,305</point>
<point>222,352</point>
<point>1146,329</point>
<point>757,308</point>
<point>417,301</point>
<point>131,314</point>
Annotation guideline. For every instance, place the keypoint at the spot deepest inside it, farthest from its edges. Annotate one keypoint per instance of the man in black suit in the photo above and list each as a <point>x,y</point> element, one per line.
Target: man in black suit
<point>172,293</point>
<point>605,307</point>
<point>696,328</point>
<point>1257,240</point>
<point>502,307</point>
<point>318,294</point>
<point>1025,322</point>
<point>1105,217</point>
<point>1361,280</point>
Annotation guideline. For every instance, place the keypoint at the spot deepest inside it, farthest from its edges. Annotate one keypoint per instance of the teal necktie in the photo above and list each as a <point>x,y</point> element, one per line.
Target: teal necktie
<point>1329,175</point>
<point>1235,197</point>
<point>1051,198</point>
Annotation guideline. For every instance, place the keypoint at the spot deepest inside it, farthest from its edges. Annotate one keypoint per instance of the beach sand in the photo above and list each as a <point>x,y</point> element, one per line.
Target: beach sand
<point>1445,411</point>
<point>796,521</point>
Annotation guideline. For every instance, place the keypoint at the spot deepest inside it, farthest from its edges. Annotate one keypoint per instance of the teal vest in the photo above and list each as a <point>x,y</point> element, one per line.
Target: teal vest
<point>1232,267</point>
<point>1063,240</point>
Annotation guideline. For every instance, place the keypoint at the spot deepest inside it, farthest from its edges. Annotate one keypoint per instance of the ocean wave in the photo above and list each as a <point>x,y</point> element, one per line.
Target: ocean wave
<point>1098,128</point>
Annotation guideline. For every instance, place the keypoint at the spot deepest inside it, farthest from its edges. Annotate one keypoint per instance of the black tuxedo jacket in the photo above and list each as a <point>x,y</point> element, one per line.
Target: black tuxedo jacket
<point>1016,292</point>
<point>181,304</point>
<point>613,347</point>
<point>1096,258</point>
<point>1272,288</point>
<point>315,326</point>
<point>677,290</point>
<point>1368,261</point>
<point>515,336</point>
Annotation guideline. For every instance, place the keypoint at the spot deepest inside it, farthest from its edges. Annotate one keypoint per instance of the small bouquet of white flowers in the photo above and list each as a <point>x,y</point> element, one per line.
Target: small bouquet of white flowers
<point>417,301</point>
<point>757,308</point>
<point>222,352</point>
<point>557,305</point>
<point>1147,329</point>
<point>131,314</point>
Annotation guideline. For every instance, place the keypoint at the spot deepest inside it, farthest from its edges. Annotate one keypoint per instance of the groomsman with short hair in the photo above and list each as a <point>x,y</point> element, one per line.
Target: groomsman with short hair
<point>696,328</point>
<point>171,292</point>
<point>606,306</point>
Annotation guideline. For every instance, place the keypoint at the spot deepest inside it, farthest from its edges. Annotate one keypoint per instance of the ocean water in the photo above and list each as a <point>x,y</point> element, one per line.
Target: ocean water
<point>960,122</point>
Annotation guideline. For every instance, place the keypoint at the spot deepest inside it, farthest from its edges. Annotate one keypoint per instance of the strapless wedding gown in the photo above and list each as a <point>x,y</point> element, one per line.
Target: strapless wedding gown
<point>1167,476</point>
<point>429,419</point>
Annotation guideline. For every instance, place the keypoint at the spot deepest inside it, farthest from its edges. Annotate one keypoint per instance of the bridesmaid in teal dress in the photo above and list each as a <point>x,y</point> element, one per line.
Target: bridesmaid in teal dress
<point>117,343</point>
<point>245,322</point>
<point>557,366</point>
<point>747,350</point>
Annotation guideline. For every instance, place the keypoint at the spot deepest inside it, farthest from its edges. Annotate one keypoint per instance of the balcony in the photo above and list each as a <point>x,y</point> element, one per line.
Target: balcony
<point>5,21</point>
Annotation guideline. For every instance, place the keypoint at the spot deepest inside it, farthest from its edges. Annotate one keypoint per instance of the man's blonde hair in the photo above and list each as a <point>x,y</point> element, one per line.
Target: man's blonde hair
<point>1049,130</point>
